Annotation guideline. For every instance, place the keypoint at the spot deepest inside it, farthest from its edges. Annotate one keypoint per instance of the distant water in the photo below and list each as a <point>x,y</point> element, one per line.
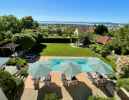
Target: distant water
<point>81,23</point>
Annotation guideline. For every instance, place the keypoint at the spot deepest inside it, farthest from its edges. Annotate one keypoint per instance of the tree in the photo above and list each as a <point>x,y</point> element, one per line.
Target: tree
<point>120,41</point>
<point>87,39</point>
<point>29,23</point>
<point>101,29</point>
<point>26,41</point>
<point>10,23</point>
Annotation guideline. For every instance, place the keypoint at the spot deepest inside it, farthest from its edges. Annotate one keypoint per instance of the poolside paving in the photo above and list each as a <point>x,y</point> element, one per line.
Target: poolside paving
<point>84,78</point>
<point>31,94</point>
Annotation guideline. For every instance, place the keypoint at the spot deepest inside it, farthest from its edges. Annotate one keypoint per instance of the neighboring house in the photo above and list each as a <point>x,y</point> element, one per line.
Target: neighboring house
<point>103,39</point>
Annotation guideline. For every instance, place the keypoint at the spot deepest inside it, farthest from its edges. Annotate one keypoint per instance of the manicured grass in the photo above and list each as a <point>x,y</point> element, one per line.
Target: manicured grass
<point>66,50</point>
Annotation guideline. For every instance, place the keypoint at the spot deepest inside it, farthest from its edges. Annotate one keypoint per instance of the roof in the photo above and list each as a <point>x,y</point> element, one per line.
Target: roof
<point>9,45</point>
<point>3,60</point>
<point>103,39</point>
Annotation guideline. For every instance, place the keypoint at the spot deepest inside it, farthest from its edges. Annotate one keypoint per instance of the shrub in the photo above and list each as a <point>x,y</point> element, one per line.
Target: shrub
<point>97,47</point>
<point>17,61</point>
<point>100,98</point>
<point>51,96</point>
<point>24,72</point>
<point>123,83</point>
<point>101,49</point>
<point>125,71</point>
<point>10,84</point>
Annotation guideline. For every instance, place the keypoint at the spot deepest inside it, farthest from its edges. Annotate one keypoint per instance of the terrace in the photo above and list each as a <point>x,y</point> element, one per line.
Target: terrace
<point>83,90</point>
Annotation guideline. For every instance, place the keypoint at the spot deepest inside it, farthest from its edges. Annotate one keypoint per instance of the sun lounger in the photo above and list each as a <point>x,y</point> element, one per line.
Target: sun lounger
<point>47,80</point>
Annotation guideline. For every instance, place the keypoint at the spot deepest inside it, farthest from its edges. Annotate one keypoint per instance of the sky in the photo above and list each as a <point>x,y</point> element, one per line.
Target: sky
<point>68,10</point>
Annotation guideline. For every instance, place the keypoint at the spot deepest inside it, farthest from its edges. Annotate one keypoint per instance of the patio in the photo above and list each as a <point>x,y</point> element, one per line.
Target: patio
<point>86,85</point>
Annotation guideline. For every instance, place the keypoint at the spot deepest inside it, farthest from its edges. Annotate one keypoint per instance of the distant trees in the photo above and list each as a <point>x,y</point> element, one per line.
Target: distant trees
<point>101,29</point>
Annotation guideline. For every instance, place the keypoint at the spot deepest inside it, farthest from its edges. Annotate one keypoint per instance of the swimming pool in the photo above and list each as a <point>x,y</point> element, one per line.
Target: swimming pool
<point>89,64</point>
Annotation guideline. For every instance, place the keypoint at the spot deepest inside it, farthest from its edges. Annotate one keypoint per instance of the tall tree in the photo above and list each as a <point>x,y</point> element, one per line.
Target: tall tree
<point>120,41</point>
<point>101,29</point>
<point>29,23</point>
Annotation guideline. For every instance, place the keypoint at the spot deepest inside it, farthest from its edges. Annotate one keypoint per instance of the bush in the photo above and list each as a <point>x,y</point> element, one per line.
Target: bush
<point>101,49</point>
<point>97,48</point>
<point>100,98</point>
<point>24,72</point>
<point>51,96</point>
<point>123,83</point>
<point>125,71</point>
<point>17,61</point>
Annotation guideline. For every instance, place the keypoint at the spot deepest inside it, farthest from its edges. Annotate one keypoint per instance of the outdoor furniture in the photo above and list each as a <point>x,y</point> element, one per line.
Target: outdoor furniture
<point>47,80</point>
<point>36,84</point>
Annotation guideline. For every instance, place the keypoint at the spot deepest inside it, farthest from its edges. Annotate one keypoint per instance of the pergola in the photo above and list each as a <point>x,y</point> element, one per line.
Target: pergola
<point>9,46</point>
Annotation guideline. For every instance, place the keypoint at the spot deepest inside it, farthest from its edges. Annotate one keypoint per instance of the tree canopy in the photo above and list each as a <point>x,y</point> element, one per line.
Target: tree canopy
<point>120,42</point>
<point>101,29</point>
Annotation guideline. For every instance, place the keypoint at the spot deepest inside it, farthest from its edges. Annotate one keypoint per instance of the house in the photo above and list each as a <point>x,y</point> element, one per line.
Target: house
<point>103,39</point>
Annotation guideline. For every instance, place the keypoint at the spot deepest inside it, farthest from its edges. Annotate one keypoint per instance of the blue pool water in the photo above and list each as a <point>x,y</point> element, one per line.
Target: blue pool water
<point>87,64</point>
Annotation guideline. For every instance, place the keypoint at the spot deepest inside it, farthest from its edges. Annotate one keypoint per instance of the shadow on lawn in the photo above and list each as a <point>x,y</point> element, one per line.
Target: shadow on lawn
<point>52,88</point>
<point>37,49</point>
<point>80,91</point>
<point>35,52</point>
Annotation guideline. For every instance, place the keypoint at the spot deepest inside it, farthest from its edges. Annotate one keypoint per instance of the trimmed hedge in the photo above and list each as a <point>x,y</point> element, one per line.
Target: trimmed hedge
<point>59,40</point>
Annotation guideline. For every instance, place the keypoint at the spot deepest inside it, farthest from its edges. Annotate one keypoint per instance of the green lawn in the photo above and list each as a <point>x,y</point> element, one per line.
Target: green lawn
<point>66,50</point>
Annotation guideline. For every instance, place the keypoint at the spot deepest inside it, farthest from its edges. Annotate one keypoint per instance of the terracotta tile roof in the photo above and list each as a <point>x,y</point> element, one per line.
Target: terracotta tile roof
<point>103,39</point>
